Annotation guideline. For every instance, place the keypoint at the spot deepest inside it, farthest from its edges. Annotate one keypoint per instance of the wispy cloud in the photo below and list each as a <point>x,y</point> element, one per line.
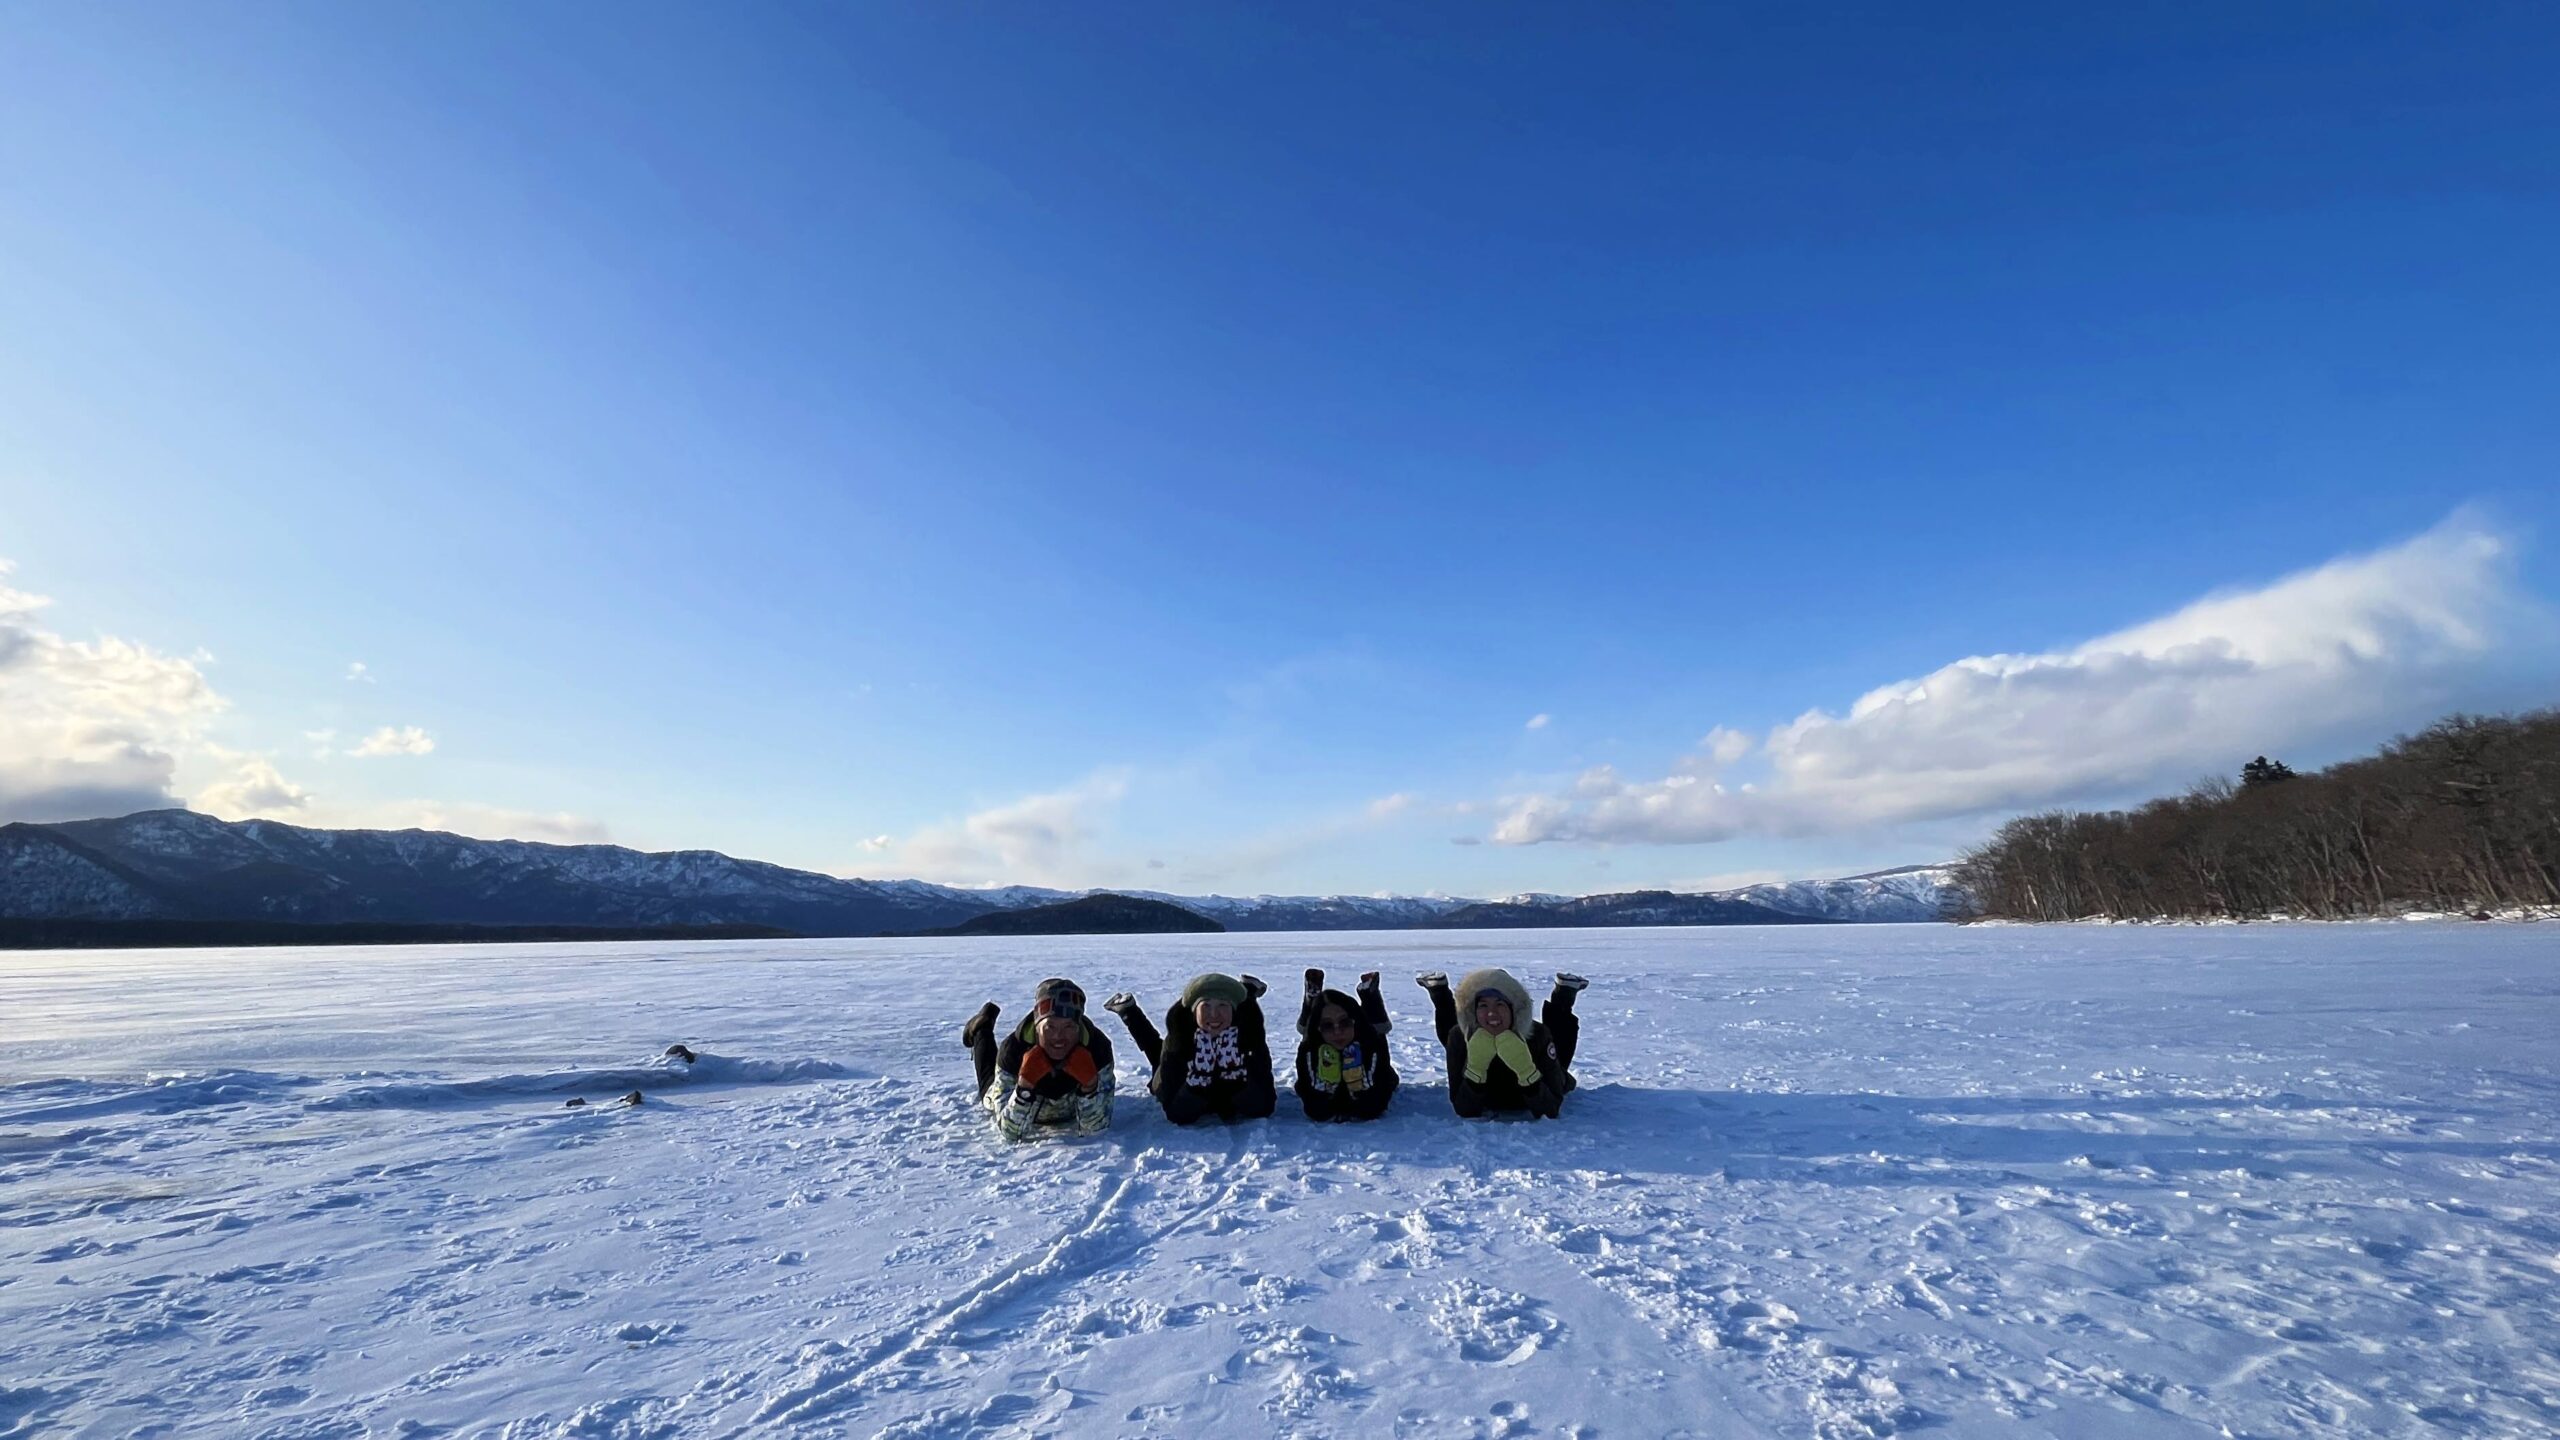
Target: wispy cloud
<point>1731,880</point>
<point>358,671</point>
<point>2335,656</point>
<point>395,740</point>
<point>494,822</point>
<point>1539,721</point>
<point>1044,839</point>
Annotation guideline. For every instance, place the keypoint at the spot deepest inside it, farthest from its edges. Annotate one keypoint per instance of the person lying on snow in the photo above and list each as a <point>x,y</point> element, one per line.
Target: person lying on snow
<point>1499,1059</point>
<point>1343,1069</point>
<point>1213,1058</point>
<point>1051,1075</point>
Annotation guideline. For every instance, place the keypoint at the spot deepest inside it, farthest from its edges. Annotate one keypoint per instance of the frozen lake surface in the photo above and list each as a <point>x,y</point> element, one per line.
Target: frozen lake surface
<point>1841,1182</point>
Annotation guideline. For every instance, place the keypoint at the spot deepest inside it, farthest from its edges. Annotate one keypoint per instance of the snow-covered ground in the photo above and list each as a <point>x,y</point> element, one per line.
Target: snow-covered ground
<point>1839,1182</point>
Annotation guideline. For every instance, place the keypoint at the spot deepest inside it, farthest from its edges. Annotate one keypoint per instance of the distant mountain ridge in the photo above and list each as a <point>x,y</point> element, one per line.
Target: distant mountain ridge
<point>1635,907</point>
<point>1099,914</point>
<point>176,865</point>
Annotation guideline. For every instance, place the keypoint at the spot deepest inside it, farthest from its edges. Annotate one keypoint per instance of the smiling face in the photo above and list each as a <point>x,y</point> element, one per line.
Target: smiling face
<point>1213,1016</point>
<point>1493,1013</point>
<point>1058,1037</point>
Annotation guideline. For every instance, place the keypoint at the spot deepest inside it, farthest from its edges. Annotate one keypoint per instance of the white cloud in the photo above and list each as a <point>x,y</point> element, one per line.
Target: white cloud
<point>2338,656</point>
<point>357,670</point>
<point>252,788</point>
<point>108,727</point>
<point>1387,807</point>
<point>1538,721</point>
<point>878,843</point>
<point>1039,839</point>
<point>495,822</point>
<point>1725,746</point>
<point>89,728</point>
<point>399,740</point>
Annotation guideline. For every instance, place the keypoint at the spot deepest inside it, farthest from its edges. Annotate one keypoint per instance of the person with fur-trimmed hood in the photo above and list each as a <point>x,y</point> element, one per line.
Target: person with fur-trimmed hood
<point>1052,1075</point>
<point>1499,1059</point>
<point>1212,1059</point>
<point>1343,1069</point>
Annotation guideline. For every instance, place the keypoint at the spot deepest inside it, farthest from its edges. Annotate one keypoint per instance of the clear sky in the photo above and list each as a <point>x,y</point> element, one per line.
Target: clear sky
<point>1482,448</point>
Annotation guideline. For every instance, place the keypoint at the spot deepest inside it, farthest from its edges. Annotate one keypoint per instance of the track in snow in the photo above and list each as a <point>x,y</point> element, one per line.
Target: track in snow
<point>1837,1183</point>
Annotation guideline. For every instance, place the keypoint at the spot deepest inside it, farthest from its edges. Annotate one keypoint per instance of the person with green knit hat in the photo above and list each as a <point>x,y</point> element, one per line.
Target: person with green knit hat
<point>1212,1058</point>
<point>1501,1061</point>
<point>1052,1075</point>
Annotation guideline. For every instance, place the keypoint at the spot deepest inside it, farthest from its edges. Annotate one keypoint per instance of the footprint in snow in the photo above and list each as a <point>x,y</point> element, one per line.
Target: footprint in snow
<point>1752,1326</point>
<point>1494,1327</point>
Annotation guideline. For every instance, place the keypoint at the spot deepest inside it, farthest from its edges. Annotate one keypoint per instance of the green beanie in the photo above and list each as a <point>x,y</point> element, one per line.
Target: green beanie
<point>1213,986</point>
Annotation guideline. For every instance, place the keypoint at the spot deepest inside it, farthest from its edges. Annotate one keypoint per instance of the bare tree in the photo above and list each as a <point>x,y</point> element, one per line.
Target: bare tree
<point>2463,815</point>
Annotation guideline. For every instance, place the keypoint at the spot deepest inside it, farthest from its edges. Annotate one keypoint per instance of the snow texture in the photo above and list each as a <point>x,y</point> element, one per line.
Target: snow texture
<point>1841,1182</point>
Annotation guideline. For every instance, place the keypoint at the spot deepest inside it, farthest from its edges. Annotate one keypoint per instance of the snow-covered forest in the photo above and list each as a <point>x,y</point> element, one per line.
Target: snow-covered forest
<point>2463,816</point>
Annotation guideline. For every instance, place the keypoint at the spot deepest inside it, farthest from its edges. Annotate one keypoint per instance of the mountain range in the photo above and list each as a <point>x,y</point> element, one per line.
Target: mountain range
<point>176,865</point>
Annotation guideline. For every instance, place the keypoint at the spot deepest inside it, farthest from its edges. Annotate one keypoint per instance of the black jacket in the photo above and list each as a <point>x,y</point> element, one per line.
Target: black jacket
<point>1251,1098</point>
<point>1369,1031</point>
<point>1502,1090</point>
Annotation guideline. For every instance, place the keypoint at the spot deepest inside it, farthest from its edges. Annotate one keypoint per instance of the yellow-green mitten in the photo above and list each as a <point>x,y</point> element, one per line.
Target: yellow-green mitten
<point>1513,1052</point>
<point>1480,1053</point>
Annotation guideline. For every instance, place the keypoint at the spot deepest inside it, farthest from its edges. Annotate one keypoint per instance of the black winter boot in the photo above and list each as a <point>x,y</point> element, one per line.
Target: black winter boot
<point>978,1025</point>
<point>1568,985</point>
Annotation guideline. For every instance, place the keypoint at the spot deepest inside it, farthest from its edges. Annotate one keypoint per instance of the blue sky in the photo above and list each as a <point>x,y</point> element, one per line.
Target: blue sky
<point>1190,446</point>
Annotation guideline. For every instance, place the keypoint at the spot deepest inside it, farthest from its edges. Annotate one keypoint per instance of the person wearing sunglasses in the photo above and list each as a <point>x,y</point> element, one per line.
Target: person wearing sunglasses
<point>1343,1069</point>
<point>1052,1075</point>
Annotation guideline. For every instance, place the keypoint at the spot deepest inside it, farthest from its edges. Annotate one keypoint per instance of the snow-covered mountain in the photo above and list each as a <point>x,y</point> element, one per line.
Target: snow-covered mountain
<point>1913,892</point>
<point>178,865</point>
<point>1317,912</point>
<point>1630,908</point>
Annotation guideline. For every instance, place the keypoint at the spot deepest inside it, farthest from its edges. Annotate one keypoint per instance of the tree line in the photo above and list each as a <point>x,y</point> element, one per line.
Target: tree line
<point>2463,816</point>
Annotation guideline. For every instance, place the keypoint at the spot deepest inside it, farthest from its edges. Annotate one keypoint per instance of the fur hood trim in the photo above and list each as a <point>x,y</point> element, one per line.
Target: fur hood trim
<point>1500,981</point>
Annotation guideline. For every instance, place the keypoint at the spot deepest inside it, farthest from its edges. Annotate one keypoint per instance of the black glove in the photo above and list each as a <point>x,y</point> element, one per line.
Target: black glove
<point>1055,1085</point>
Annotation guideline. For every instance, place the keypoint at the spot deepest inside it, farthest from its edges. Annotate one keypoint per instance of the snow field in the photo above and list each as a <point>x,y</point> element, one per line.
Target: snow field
<point>1839,1182</point>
